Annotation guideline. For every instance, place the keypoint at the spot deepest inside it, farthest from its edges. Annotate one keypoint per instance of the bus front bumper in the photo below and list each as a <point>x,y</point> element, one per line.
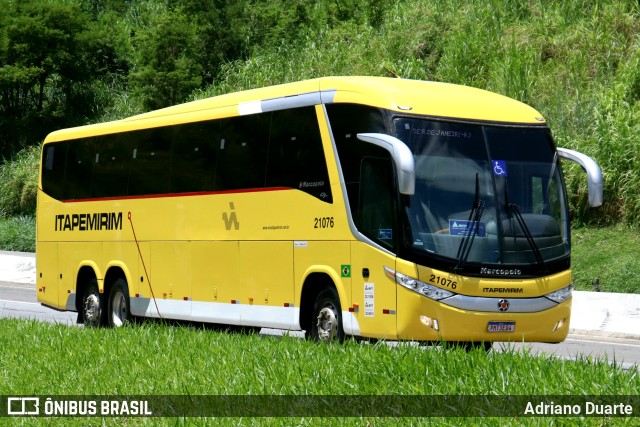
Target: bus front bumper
<point>423,319</point>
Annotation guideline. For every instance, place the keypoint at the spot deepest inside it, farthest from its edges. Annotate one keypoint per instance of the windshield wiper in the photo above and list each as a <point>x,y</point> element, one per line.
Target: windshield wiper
<point>515,209</point>
<point>473,228</point>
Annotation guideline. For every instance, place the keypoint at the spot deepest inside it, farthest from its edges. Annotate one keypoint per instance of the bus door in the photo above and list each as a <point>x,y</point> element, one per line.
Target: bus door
<point>372,292</point>
<point>376,218</point>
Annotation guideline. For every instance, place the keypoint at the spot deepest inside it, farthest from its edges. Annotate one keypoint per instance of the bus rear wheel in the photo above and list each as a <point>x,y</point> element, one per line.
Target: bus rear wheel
<point>93,311</point>
<point>119,304</point>
<point>326,323</point>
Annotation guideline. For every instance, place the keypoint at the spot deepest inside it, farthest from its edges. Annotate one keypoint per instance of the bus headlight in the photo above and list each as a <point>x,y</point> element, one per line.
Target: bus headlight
<point>561,295</point>
<point>424,289</point>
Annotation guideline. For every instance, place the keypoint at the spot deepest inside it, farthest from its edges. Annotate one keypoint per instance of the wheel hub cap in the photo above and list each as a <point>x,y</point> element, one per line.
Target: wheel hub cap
<point>92,308</point>
<point>327,324</point>
<point>119,310</point>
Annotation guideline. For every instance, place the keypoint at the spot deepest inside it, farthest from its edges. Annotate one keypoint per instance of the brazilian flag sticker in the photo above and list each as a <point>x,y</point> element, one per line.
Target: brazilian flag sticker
<point>345,270</point>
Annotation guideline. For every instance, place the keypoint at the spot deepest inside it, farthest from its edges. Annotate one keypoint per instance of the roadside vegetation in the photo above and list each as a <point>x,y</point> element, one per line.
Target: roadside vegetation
<point>71,62</point>
<point>608,254</point>
<point>18,234</point>
<point>186,360</point>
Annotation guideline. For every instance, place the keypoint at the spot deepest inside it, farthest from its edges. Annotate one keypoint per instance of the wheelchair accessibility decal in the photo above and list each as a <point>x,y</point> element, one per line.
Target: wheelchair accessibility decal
<point>500,168</point>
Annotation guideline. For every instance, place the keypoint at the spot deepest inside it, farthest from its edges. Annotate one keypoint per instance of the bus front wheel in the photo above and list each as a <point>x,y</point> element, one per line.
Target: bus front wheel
<point>326,323</point>
<point>119,304</point>
<point>93,311</point>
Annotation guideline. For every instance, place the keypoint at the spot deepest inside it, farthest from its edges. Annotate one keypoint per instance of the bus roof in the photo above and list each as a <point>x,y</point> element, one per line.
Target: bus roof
<point>433,99</point>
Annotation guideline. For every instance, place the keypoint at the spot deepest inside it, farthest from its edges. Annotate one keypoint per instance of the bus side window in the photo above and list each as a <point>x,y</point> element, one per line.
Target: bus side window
<point>55,156</point>
<point>150,154</point>
<point>296,156</point>
<point>242,152</point>
<point>194,155</point>
<point>111,166</point>
<point>79,173</point>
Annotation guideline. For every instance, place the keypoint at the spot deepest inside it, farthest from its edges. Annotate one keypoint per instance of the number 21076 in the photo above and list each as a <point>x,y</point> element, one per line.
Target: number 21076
<point>323,222</point>
<point>443,281</point>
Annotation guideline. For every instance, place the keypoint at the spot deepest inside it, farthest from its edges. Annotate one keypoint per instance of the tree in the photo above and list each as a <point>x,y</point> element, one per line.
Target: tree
<point>47,63</point>
<point>168,70</point>
<point>231,30</point>
<point>44,36</point>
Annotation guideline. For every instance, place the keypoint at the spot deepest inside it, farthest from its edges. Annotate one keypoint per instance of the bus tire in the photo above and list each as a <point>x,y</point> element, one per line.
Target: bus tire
<point>93,311</point>
<point>326,323</point>
<point>119,304</point>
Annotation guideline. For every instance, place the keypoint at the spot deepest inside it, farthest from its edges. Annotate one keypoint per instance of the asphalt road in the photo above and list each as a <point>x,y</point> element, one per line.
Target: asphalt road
<point>18,300</point>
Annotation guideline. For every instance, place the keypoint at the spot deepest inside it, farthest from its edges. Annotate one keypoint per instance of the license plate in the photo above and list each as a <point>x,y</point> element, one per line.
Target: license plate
<point>501,327</point>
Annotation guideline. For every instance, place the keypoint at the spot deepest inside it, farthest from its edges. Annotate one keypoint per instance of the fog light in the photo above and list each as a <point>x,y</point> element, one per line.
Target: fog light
<point>426,320</point>
<point>559,324</point>
<point>431,323</point>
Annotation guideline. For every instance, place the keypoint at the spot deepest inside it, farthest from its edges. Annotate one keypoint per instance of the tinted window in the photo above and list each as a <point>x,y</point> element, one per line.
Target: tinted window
<point>296,155</point>
<point>53,161</point>
<point>150,160</point>
<point>242,161</point>
<point>111,165</point>
<point>79,170</point>
<point>195,153</point>
<point>367,170</point>
<point>376,199</point>
<point>279,149</point>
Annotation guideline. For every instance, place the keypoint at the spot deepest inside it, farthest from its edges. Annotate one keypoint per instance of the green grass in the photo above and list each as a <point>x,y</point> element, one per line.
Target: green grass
<point>611,254</point>
<point>18,234</point>
<point>152,359</point>
<point>19,183</point>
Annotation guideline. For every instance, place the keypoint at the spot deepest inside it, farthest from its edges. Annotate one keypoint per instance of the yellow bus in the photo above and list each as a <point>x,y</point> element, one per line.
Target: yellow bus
<point>339,206</point>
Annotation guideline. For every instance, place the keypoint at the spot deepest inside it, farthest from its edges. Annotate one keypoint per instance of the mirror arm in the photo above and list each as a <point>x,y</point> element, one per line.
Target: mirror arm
<point>595,180</point>
<point>402,157</point>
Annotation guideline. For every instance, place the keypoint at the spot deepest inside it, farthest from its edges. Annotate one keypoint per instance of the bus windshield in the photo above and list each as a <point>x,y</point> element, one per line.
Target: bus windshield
<point>484,194</point>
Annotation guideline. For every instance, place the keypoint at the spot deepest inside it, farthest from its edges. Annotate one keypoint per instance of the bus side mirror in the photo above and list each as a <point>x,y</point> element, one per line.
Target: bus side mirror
<point>595,181</point>
<point>402,157</point>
